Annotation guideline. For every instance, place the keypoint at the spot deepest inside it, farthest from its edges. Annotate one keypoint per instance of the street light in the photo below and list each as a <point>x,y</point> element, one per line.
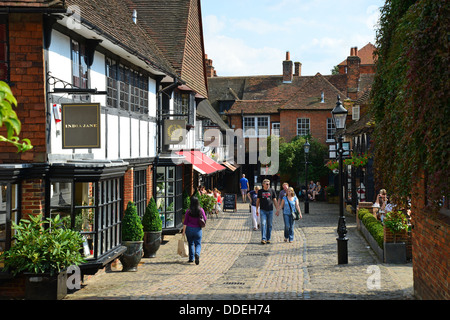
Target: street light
<point>306,148</point>
<point>339,114</point>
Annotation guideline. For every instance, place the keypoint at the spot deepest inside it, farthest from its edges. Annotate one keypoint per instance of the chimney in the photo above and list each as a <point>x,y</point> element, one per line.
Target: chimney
<point>210,72</point>
<point>287,69</point>
<point>298,69</point>
<point>353,73</point>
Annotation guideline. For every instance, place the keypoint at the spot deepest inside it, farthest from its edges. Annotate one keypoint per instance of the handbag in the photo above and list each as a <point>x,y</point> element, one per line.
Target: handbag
<point>294,213</point>
<point>183,249</point>
<point>201,220</point>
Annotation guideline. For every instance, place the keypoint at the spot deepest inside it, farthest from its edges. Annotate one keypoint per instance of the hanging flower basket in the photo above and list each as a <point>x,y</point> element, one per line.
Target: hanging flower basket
<point>357,160</point>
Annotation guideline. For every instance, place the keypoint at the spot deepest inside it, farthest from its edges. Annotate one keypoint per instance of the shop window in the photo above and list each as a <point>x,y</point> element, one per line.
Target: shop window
<point>8,213</point>
<point>140,191</point>
<point>169,198</point>
<point>4,48</point>
<point>93,209</point>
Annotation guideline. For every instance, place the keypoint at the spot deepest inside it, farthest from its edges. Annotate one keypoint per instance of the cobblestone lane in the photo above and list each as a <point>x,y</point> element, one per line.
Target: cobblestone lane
<point>234,265</point>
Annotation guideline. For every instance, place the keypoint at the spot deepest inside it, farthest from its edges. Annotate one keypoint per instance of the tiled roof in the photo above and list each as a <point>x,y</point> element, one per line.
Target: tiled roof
<point>309,96</point>
<point>176,28</point>
<point>256,106</point>
<point>33,3</point>
<point>268,94</point>
<point>365,54</point>
<point>114,19</point>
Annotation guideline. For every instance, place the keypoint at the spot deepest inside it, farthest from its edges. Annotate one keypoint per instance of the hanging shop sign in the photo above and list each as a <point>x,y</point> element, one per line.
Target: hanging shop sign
<point>80,125</point>
<point>174,131</point>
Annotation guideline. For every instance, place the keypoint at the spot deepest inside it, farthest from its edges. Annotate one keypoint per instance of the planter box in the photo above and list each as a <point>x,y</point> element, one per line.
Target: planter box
<point>45,287</point>
<point>373,244</point>
<point>333,199</point>
<point>395,252</point>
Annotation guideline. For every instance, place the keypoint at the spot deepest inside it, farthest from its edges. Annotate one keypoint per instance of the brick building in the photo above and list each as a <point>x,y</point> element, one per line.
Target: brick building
<point>95,83</point>
<point>290,104</point>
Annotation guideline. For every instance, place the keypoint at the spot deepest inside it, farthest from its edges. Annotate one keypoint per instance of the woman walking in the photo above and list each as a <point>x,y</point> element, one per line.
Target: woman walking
<point>192,229</point>
<point>289,204</point>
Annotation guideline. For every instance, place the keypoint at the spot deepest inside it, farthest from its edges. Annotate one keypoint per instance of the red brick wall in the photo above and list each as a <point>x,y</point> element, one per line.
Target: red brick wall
<point>33,197</point>
<point>318,123</point>
<point>128,191</point>
<point>431,250</point>
<point>28,86</point>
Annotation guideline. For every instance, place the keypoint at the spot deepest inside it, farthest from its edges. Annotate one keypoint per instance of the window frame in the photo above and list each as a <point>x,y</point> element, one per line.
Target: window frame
<point>305,128</point>
<point>127,88</point>
<point>331,130</point>
<point>255,128</point>
<point>6,62</point>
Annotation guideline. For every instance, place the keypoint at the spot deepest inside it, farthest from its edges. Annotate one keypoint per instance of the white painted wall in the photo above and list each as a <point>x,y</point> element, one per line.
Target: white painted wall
<point>135,138</point>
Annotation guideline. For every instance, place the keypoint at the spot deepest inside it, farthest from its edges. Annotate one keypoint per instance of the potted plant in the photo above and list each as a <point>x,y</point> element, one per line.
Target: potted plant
<point>152,224</point>
<point>396,223</point>
<point>208,203</point>
<point>132,235</point>
<point>43,254</point>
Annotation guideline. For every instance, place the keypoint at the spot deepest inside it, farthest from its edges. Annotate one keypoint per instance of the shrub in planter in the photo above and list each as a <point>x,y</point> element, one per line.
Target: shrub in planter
<point>152,225</point>
<point>372,225</point>
<point>208,203</point>
<point>396,223</point>
<point>43,253</point>
<point>132,235</point>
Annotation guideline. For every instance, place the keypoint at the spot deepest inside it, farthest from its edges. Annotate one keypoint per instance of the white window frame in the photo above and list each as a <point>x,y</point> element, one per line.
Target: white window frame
<point>252,130</point>
<point>355,113</point>
<point>331,129</point>
<point>306,125</point>
<point>276,131</point>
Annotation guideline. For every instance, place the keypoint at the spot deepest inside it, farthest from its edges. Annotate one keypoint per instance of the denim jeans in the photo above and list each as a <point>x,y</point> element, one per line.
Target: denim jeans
<point>288,226</point>
<point>266,224</point>
<point>194,239</point>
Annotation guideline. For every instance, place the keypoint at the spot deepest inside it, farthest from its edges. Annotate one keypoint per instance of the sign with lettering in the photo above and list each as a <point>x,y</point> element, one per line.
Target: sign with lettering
<point>174,131</point>
<point>229,202</point>
<point>80,125</point>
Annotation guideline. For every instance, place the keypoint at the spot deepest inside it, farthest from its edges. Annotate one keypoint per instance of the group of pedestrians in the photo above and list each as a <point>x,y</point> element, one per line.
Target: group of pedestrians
<point>264,202</point>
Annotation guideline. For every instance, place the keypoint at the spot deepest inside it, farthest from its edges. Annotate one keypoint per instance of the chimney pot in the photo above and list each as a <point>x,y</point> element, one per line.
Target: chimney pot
<point>287,69</point>
<point>298,69</point>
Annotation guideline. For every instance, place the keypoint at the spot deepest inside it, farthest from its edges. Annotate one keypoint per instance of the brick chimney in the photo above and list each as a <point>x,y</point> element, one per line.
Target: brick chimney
<point>353,72</point>
<point>298,69</point>
<point>287,69</point>
<point>210,72</point>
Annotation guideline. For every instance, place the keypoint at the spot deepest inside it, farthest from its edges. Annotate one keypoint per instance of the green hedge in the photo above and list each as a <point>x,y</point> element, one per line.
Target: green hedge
<point>373,225</point>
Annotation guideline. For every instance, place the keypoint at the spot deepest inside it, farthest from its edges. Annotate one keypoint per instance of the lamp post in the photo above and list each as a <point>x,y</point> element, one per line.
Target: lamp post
<point>306,148</point>
<point>339,114</point>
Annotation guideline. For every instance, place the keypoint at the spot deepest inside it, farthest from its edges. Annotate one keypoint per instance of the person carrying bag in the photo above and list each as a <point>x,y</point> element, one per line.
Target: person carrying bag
<point>289,215</point>
<point>194,221</point>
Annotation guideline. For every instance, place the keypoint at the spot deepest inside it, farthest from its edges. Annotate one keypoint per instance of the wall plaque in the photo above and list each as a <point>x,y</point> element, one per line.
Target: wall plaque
<point>80,125</point>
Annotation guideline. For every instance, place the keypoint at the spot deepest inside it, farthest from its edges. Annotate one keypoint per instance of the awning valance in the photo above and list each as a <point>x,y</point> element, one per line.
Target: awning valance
<point>201,162</point>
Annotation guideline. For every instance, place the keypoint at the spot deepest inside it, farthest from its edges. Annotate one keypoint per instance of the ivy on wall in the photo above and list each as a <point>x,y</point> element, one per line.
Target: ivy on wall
<point>411,98</point>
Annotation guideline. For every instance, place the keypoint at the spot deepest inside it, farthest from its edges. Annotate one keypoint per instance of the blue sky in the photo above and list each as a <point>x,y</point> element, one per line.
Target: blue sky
<point>251,37</point>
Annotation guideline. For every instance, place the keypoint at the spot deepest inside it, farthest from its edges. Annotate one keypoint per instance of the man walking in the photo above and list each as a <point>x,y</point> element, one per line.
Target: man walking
<point>244,187</point>
<point>265,201</point>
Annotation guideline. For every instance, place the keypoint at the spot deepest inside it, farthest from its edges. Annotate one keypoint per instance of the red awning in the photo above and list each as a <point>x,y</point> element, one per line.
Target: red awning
<point>201,162</point>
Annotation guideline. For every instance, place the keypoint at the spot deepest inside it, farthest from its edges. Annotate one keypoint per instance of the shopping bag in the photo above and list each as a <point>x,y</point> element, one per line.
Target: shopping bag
<point>183,249</point>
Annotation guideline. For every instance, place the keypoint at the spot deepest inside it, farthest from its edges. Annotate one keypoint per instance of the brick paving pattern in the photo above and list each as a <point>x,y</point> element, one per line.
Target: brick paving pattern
<point>234,265</point>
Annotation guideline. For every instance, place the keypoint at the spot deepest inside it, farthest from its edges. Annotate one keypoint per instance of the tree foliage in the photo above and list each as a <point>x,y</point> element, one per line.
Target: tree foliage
<point>8,117</point>
<point>411,102</point>
<point>292,160</point>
